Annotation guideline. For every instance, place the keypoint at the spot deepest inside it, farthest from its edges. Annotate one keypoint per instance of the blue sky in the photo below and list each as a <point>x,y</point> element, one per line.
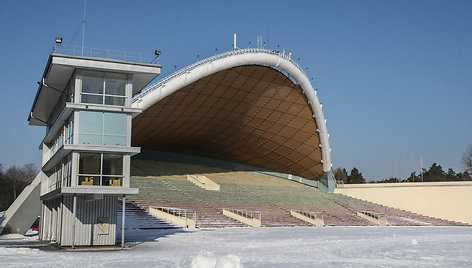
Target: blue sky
<point>394,77</point>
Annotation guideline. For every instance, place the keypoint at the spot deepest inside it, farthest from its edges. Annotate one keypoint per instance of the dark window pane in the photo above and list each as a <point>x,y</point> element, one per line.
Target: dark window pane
<point>119,101</point>
<point>115,84</point>
<point>89,163</point>
<point>96,99</point>
<point>112,164</point>
<point>89,180</point>
<point>112,181</point>
<point>92,82</point>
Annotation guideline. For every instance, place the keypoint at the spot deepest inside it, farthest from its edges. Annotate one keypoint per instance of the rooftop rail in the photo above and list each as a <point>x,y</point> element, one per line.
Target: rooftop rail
<point>211,59</point>
<point>103,53</point>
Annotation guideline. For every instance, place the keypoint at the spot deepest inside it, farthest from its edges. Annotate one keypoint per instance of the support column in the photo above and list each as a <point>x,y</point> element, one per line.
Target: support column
<point>74,212</point>
<point>327,183</point>
<point>41,223</point>
<point>123,222</point>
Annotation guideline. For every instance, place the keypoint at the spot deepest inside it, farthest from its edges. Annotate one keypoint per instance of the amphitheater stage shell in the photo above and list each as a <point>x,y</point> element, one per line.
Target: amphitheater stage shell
<point>251,106</point>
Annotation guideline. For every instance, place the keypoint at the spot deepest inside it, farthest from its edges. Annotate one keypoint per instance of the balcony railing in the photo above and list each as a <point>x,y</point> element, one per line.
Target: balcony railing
<point>104,54</point>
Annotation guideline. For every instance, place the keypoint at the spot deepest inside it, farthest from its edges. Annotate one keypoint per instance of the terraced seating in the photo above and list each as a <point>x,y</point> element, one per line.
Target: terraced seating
<point>249,178</point>
<point>395,217</point>
<point>207,217</point>
<point>142,167</point>
<point>165,184</point>
<point>137,218</point>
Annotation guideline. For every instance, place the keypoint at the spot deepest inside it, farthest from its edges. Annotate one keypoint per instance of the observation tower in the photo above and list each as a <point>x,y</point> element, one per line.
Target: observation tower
<point>84,100</point>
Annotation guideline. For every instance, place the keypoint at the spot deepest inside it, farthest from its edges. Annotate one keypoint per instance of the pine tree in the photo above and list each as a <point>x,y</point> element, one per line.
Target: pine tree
<point>451,175</point>
<point>435,173</point>
<point>355,176</point>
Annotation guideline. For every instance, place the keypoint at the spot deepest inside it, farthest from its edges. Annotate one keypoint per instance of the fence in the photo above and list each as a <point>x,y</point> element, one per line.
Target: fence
<point>104,53</point>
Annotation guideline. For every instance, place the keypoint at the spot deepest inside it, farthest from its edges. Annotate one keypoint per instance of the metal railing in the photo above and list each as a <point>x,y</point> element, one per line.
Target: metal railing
<point>211,59</point>
<point>103,53</point>
<point>310,214</point>
<point>373,214</point>
<point>245,213</point>
<point>180,212</point>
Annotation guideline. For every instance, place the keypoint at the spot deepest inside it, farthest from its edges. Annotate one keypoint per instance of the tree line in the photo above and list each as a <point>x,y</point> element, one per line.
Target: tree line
<point>13,181</point>
<point>434,173</point>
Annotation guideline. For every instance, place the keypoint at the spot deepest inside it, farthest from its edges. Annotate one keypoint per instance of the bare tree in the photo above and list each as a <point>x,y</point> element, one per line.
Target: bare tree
<point>467,159</point>
<point>341,175</point>
<point>19,178</point>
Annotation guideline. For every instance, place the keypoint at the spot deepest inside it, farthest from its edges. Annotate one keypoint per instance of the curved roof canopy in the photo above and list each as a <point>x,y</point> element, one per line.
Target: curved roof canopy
<point>241,109</point>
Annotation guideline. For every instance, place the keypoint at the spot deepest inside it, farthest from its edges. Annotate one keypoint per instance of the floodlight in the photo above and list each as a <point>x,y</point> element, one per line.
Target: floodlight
<point>157,52</point>
<point>58,40</point>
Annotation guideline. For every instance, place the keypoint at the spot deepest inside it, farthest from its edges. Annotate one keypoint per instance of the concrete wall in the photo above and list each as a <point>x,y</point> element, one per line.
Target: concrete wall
<point>446,200</point>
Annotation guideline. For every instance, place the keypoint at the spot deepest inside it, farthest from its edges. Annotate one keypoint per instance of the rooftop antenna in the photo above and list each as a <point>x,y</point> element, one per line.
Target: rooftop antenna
<point>421,163</point>
<point>234,42</point>
<point>396,170</point>
<point>259,41</point>
<point>83,28</point>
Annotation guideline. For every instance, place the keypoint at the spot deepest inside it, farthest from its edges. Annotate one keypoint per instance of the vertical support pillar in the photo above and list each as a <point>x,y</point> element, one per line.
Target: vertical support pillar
<point>74,218</point>
<point>327,183</point>
<point>123,222</point>
<point>41,223</point>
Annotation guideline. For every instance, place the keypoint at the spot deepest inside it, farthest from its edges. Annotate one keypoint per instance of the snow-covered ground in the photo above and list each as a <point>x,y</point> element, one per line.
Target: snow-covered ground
<point>262,247</point>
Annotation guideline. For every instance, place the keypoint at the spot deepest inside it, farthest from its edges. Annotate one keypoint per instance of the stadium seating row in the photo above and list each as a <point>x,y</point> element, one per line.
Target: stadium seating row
<point>165,184</point>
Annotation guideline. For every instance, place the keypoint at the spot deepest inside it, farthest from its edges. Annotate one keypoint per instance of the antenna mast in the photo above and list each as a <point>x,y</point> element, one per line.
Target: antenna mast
<point>83,28</point>
<point>421,160</point>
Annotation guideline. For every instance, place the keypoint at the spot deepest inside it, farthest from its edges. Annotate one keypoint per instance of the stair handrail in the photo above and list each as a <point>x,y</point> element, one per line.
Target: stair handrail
<point>310,214</point>
<point>249,214</point>
<point>180,212</point>
<point>373,214</point>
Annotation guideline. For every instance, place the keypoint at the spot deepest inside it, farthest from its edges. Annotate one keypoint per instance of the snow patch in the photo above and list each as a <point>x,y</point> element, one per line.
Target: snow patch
<point>229,261</point>
<point>209,260</point>
<point>19,251</point>
<point>261,247</point>
<point>203,262</point>
<point>415,221</point>
<point>11,236</point>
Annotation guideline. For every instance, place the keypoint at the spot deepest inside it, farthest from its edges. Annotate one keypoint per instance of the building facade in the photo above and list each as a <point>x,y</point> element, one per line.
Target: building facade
<point>85,103</point>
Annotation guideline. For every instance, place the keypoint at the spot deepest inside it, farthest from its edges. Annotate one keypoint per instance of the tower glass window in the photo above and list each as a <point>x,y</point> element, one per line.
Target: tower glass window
<point>100,169</point>
<point>102,128</point>
<point>103,88</point>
